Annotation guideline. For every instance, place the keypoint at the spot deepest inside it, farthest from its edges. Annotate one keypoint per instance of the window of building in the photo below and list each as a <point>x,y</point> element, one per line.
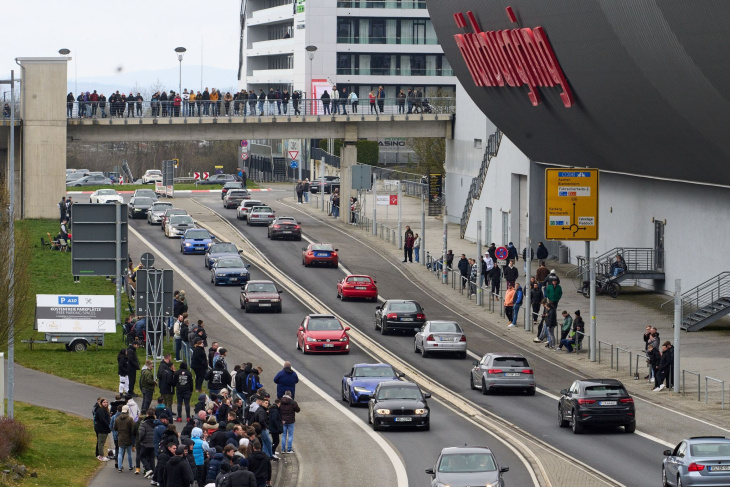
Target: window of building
<point>345,31</point>
<point>418,65</point>
<point>377,31</point>
<point>419,31</point>
<point>281,62</point>
<point>344,63</point>
<point>277,3</point>
<point>380,64</point>
<point>477,143</point>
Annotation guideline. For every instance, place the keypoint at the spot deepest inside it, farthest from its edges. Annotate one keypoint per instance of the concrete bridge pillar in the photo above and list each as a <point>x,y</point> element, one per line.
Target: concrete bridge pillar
<point>43,111</point>
<point>347,160</point>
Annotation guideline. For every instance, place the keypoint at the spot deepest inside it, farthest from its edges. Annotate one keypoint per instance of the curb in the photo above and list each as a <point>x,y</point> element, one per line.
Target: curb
<point>177,191</point>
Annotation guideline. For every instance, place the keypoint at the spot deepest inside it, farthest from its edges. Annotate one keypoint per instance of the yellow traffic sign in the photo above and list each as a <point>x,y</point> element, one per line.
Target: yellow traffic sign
<point>571,204</point>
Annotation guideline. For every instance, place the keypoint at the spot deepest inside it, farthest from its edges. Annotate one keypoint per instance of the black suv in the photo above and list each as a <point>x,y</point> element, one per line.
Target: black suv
<point>596,402</point>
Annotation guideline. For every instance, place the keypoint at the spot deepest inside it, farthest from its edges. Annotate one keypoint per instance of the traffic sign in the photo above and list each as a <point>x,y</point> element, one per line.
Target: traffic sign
<point>196,175</point>
<point>383,200</point>
<point>571,204</point>
<point>244,143</point>
<point>244,156</point>
<point>501,253</point>
<point>294,164</point>
<point>293,154</point>
<point>393,199</point>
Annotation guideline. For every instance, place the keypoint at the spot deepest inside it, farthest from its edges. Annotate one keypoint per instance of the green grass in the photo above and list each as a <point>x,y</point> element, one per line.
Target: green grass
<point>62,447</point>
<point>51,274</point>
<point>131,187</point>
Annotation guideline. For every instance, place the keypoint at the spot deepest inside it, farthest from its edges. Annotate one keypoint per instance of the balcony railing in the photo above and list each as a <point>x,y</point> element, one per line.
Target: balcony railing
<point>283,45</point>
<point>414,41</point>
<point>399,4</point>
<point>395,71</point>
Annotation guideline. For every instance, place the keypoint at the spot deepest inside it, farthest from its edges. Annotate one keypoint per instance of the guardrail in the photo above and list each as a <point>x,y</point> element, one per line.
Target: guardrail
<point>699,386</point>
<point>618,353</point>
<point>599,351</point>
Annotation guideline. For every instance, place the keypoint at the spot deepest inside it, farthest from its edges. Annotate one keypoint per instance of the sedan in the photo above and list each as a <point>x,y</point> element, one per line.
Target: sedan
<point>362,287</point>
<point>195,241</point>
<point>168,213</point>
<point>245,207</point>
<point>177,224</point>
<point>318,253</point>
<point>398,403</point>
<point>139,206</point>
<point>261,295</point>
<point>89,181</point>
<point>285,227</point>
<point>148,193</point>
<point>105,196</point>
<point>219,179</point>
<point>596,402</point>
<point>230,185</point>
<point>400,315</point>
<point>229,270</point>
<point>358,385</point>
<point>234,197</point>
<point>700,460</point>
<point>322,334</point>
<point>439,337</point>
<point>157,211</point>
<point>260,215</point>
<point>467,465</point>
<point>329,185</point>
<point>502,371</point>
<point>218,250</point>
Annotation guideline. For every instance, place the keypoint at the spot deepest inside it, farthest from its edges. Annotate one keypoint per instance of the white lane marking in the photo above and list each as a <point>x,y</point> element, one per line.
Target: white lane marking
<point>491,332</point>
<point>398,466</point>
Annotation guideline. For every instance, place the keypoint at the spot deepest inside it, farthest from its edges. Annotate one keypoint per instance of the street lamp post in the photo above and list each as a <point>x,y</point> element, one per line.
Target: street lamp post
<point>310,52</point>
<point>180,51</point>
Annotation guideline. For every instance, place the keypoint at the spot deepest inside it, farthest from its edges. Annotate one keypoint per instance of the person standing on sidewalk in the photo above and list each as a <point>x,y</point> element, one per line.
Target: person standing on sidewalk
<point>166,380</point>
<point>260,465</point>
<point>535,300</point>
<point>133,365</point>
<point>147,384</point>
<point>417,248</point>
<point>517,304</point>
<point>495,278</point>
<point>511,273</point>
<point>551,321</point>
<point>408,240</point>
<point>299,190</point>
<point>199,363</point>
<point>177,336</point>
<point>509,302</point>
<point>184,388</point>
<point>553,292</point>
<point>124,425</point>
<point>123,371</point>
<point>463,266</point>
<point>146,444</point>
<point>276,427</point>
<point>564,329</point>
<point>102,420</point>
<point>305,188</point>
<point>541,274</point>
<point>288,408</point>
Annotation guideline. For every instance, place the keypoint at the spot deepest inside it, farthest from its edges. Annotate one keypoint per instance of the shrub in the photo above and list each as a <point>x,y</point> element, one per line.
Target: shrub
<point>15,438</point>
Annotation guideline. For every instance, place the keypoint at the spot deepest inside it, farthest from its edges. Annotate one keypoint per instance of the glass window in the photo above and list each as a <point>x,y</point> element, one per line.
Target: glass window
<point>447,327</point>
<point>374,371</point>
<point>377,31</point>
<point>605,390</point>
<point>700,450</point>
<point>325,247</point>
<point>261,287</point>
<point>467,462</point>
<point>224,248</point>
<point>345,31</point>
<point>143,201</point>
<point>395,392</point>
<point>404,308</point>
<point>418,65</point>
<point>510,362</point>
<point>324,324</point>
<point>358,279</point>
<point>197,234</point>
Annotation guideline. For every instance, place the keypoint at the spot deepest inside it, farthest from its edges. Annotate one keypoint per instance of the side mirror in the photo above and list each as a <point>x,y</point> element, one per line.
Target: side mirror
<point>504,469</point>
<point>347,328</point>
<point>429,471</point>
<point>301,328</point>
<point>427,395</point>
<point>667,453</point>
<point>240,251</point>
<point>401,374</point>
<point>212,236</point>
<point>375,282</point>
<point>243,287</point>
<point>416,330</point>
<point>347,375</point>
<point>248,266</point>
<point>475,363</point>
<point>564,392</point>
<point>280,291</point>
<point>337,250</point>
<point>378,307</point>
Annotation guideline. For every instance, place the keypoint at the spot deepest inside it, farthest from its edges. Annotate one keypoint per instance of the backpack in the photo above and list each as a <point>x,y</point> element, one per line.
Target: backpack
<point>93,412</point>
<point>224,481</point>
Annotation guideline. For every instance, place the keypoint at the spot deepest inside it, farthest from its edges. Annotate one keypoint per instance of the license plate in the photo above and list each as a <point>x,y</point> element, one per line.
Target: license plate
<point>406,319</point>
<point>265,305</point>
<point>234,279</point>
<point>360,287</point>
<point>321,254</point>
<point>328,345</point>
<point>403,420</point>
<point>607,403</point>
<point>512,374</point>
<point>286,231</point>
<point>718,468</point>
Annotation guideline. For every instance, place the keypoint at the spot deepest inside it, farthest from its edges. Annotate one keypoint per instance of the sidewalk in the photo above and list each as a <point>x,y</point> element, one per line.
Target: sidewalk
<point>619,322</point>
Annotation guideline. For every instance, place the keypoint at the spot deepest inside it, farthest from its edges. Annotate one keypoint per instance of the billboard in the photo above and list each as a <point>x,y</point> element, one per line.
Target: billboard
<point>75,313</point>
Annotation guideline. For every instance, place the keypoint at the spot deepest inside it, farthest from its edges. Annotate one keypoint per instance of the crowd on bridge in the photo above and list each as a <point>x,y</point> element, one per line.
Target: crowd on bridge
<point>231,435</point>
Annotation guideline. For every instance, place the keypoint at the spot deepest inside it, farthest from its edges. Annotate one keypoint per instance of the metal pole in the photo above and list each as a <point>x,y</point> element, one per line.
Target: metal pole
<point>423,230</point>
<point>479,263</point>
<point>592,263</point>
<point>445,274</point>
<point>2,384</point>
<point>400,217</point>
<point>321,181</point>
<point>11,255</point>
<point>375,204</point>
<point>677,329</point>
<point>526,291</point>
<point>588,256</point>
<point>118,222</point>
<point>179,86</point>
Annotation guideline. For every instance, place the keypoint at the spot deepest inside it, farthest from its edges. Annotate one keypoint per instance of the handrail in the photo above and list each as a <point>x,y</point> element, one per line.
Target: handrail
<point>618,352</point>
<point>477,182</point>
<point>699,386</point>
<point>704,294</point>
<point>599,343</point>
<point>722,384</point>
<point>637,259</point>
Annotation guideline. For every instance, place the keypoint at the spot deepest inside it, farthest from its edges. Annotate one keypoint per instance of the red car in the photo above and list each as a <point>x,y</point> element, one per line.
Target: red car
<point>319,253</point>
<point>322,334</point>
<point>357,287</point>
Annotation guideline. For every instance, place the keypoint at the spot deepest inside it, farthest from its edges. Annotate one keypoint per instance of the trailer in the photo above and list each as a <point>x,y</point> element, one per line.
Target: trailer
<point>74,342</point>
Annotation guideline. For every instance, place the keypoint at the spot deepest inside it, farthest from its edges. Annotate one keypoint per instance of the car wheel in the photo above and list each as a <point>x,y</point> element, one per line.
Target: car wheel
<point>212,279</point>
<point>375,425</point>
<point>181,249</point>
<point>415,345</point>
<point>679,481</point>
<point>630,428</point>
<point>561,420</point>
<point>244,307</point>
<point>299,239</point>
<point>350,402</point>
<point>238,216</point>
<point>384,329</point>
<point>342,393</point>
<point>302,348</point>
<point>370,418</point>
<point>575,425</point>
<point>485,389</point>
<point>471,381</point>
<point>424,353</point>
<point>530,391</point>
<point>342,297</point>
<point>148,222</point>
<point>375,321</point>
<point>78,346</point>
<point>248,223</point>
<point>664,478</point>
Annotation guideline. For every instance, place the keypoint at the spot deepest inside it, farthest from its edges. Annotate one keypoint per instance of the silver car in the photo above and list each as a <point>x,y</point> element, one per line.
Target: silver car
<point>467,465</point>
<point>440,337</point>
<point>154,214</point>
<point>234,197</point>
<point>176,225</point>
<point>701,460</point>
<point>245,207</point>
<point>260,215</point>
<point>502,371</point>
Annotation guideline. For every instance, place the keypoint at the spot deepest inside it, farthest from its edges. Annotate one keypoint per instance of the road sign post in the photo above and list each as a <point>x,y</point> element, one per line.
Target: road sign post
<point>400,217</point>
<point>571,204</point>
<point>375,204</point>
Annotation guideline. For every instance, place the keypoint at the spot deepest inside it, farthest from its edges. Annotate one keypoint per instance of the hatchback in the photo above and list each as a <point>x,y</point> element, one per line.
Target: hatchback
<point>700,460</point>
<point>440,337</point>
<point>502,371</point>
<point>596,402</point>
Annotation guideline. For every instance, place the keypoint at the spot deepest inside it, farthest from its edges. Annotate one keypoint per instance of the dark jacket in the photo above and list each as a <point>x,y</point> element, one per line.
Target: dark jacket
<point>159,430</point>
<point>132,360</point>
<point>241,379</point>
<point>123,366</point>
<point>218,378</point>
<point>541,274</point>
<point>653,357</point>
<point>102,418</point>
<point>495,274</point>
<point>211,353</point>
<point>160,473</point>
<point>214,466</point>
<point>552,318</point>
<point>275,423</point>
<point>219,438</point>
<point>667,360</point>
<point>512,253</point>
<point>285,380</point>
<point>579,325</point>
<point>288,409</point>
<point>463,266</point>
<point>242,477</point>
<point>511,274</point>
<point>166,378</point>
<point>178,473</point>
<point>199,360</point>
<point>124,425</point>
<point>260,464</point>
<point>146,435</point>
<point>183,380</point>
<point>261,416</point>
<point>535,297</point>
<point>542,252</point>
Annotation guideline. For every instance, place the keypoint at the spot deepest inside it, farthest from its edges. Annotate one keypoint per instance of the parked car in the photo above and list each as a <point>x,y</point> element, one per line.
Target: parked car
<point>234,197</point>
<point>229,270</point>
<point>322,334</point>
<point>138,206</point>
<point>230,185</point>
<point>320,253</point>
<point>285,227</point>
<point>399,315</point>
<point>503,371</point>
<point>74,176</point>
<point>259,215</point>
<point>220,179</point>
<point>95,180</point>
<point>700,460</point>
<point>329,185</point>
<point>357,286</point>
<point>196,241</point>
<point>260,295</point>
<point>359,384</point>
<point>467,465</point>
<point>399,404</point>
<point>245,207</point>
<point>105,196</point>
<point>596,402</point>
<point>152,176</point>
<point>440,337</point>
<point>155,214</point>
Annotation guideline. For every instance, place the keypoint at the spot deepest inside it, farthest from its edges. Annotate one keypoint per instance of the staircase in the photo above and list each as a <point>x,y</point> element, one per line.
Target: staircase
<point>477,183</point>
<point>706,303</point>
<point>641,263</point>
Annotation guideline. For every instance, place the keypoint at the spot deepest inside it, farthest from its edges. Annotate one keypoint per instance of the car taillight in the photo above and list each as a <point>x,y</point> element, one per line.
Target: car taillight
<point>527,371</point>
<point>392,316</point>
<point>494,371</point>
<point>421,317</point>
<point>296,227</point>
<point>430,338</point>
<point>463,338</point>
<point>695,467</point>
<point>586,401</point>
<point>277,226</point>
<point>334,254</point>
<point>627,400</point>
<point>271,216</point>
<point>309,252</point>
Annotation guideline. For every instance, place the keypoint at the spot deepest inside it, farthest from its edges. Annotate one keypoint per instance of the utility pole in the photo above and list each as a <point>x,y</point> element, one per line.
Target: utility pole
<point>11,255</point>
<point>445,278</point>
<point>400,217</point>
<point>527,289</point>
<point>422,249</point>
<point>375,204</point>
<point>677,329</point>
<point>592,262</point>
<point>321,181</point>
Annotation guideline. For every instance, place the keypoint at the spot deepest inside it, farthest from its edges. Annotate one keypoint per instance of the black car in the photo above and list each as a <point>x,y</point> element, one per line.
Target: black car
<point>398,403</point>
<point>220,179</point>
<point>230,185</point>
<point>399,315</point>
<point>329,185</point>
<point>596,402</point>
<point>285,227</point>
<point>139,206</point>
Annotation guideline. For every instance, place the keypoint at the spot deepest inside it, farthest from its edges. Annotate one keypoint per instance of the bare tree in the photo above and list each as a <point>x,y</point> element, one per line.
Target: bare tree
<point>431,153</point>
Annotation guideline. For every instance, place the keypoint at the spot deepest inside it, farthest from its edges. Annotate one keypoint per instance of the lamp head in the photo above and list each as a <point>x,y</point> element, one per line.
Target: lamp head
<point>64,52</point>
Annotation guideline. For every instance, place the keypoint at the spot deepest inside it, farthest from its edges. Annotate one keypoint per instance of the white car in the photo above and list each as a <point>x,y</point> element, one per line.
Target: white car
<point>244,207</point>
<point>152,176</point>
<point>176,225</point>
<point>105,196</point>
<point>440,337</point>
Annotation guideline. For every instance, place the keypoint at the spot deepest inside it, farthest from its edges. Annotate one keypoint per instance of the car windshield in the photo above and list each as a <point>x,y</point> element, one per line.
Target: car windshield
<point>106,192</point>
<point>250,204</point>
<point>324,324</point>
<point>399,393</point>
<point>142,201</point>
<point>197,234</point>
<point>178,219</point>
<point>403,307</point>
<point>233,185</point>
<point>176,212</point>
<point>286,220</point>
<point>704,450</point>
<point>510,362</point>
<point>147,193</point>
<point>74,176</point>
<point>374,371</point>
<point>326,247</point>
<point>161,206</point>
<point>261,287</point>
<point>263,208</point>
<point>238,192</point>
<point>445,327</point>
<point>229,263</point>
<point>358,279</point>
<point>605,390</point>
<point>467,462</point>
<point>224,248</point>
<point>154,171</point>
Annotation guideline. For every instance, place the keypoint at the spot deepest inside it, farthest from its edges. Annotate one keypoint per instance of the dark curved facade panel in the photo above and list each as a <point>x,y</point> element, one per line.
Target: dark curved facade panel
<point>650,80</point>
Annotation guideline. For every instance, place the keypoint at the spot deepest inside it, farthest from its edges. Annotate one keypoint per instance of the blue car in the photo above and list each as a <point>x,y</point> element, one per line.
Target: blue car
<point>229,270</point>
<point>359,384</point>
<point>195,241</point>
<point>218,250</point>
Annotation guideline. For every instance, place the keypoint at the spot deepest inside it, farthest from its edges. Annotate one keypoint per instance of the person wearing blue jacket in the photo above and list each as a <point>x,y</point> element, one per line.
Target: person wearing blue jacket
<point>200,446</point>
<point>214,466</point>
<point>518,302</point>
<point>160,427</point>
<point>285,380</point>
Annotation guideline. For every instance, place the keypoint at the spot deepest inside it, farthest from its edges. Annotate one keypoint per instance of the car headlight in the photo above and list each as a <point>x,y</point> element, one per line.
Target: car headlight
<point>188,244</point>
<point>344,339</point>
<point>310,339</point>
<point>361,390</point>
<point>221,274</point>
<point>253,300</point>
<point>382,411</point>
<point>421,411</point>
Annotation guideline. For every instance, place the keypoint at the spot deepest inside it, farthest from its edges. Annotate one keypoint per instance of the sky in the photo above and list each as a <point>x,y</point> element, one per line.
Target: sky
<point>108,39</point>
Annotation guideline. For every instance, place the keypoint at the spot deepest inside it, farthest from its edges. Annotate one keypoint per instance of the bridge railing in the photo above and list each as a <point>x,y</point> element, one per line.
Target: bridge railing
<point>256,108</point>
